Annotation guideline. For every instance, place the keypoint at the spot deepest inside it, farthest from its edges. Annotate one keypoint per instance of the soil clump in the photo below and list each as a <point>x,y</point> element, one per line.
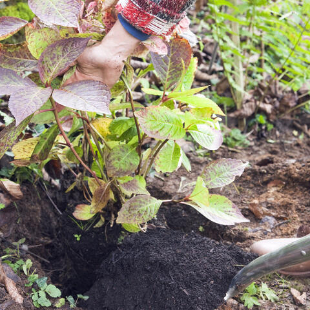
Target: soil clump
<point>165,269</point>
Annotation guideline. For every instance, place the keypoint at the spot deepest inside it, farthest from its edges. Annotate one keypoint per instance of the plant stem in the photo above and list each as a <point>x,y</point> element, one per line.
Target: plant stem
<point>69,144</point>
<point>87,125</point>
<point>144,168</point>
<point>136,122</point>
<point>154,156</point>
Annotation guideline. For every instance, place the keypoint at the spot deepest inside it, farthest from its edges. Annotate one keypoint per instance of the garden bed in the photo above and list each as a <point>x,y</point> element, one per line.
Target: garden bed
<point>171,264</point>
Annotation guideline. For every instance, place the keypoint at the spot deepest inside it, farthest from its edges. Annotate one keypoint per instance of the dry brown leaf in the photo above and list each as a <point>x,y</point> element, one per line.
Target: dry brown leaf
<point>222,86</point>
<point>11,188</point>
<point>10,286</point>
<point>247,110</point>
<point>300,299</point>
<point>200,76</point>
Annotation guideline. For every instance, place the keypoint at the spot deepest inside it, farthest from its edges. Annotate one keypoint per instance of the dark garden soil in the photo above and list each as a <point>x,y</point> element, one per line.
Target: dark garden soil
<point>173,265</point>
<point>165,269</point>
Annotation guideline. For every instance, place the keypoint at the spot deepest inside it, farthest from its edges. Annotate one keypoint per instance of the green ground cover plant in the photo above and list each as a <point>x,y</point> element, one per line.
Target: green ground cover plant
<point>260,39</point>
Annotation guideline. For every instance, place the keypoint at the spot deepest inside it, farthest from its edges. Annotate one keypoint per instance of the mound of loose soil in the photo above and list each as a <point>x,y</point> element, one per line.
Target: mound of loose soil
<point>164,269</point>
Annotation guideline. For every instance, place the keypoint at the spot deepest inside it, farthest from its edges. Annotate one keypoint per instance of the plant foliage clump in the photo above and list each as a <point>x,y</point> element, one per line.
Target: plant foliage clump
<point>109,130</point>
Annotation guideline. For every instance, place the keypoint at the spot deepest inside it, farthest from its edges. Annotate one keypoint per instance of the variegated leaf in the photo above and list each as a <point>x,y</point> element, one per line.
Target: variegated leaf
<point>17,57</point>
<point>58,56</point>
<point>222,172</point>
<point>138,210</point>
<point>28,100</point>
<point>161,123</point>
<point>90,96</point>
<point>10,25</point>
<point>11,82</point>
<point>62,13</point>
<point>170,68</point>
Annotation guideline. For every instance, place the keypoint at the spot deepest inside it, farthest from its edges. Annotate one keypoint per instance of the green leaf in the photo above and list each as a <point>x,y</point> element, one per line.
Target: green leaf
<point>133,228</point>
<point>39,39</point>
<point>220,210</point>
<point>200,101</point>
<point>42,300</point>
<point>83,212</point>
<point>206,136</point>
<point>222,172</point>
<point>53,12</point>
<point>70,156</point>
<point>170,67</point>
<point>168,159</point>
<point>200,194</point>
<point>120,125</point>
<point>10,133</point>
<point>138,210</point>
<point>133,185</point>
<point>154,92</point>
<point>60,302</point>
<point>58,56</point>
<point>53,291</point>
<point>185,161</point>
<point>249,300</point>
<point>122,160</point>
<point>189,76</point>
<point>115,106</point>
<point>251,289</point>
<point>2,206</point>
<point>10,25</point>
<point>267,292</point>
<point>186,93</point>
<point>161,123</point>
<point>42,283</point>
<point>45,144</point>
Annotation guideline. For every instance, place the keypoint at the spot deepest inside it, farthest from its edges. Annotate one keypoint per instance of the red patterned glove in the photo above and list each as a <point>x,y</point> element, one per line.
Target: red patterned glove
<point>154,17</point>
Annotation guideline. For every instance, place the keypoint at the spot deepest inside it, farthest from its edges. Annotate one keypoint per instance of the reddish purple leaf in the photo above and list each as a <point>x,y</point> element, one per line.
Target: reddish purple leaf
<point>58,56</point>
<point>91,96</point>
<point>170,67</point>
<point>11,82</point>
<point>10,25</point>
<point>28,100</point>
<point>62,13</point>
<point>17,57</point>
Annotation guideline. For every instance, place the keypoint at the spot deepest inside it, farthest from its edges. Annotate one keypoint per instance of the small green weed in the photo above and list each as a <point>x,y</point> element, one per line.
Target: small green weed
<point>73,302</point>
<point>254,293</point>
<point>77,237</point>
<point>236,138</point>
<point>40,296</point>
<point>261,120</point>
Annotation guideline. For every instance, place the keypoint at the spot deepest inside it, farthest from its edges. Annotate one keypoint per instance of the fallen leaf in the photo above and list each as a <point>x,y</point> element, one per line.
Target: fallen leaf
<point>11,188</point>
<point>300,299</point>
